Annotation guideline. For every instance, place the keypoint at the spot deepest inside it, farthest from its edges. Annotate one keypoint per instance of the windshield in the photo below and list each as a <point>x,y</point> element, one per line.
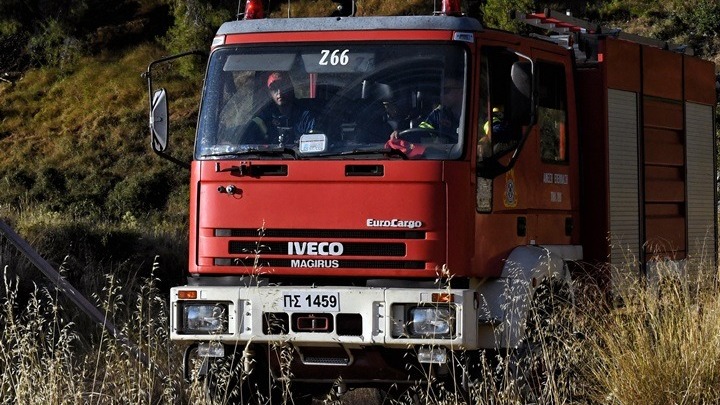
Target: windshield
<point>324,101</point>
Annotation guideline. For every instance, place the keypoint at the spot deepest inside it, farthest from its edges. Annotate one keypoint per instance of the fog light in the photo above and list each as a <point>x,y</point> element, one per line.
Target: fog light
<point>432,322</point>
<point>211,349</point>
<point>204,319</point>
<point>432,355</point>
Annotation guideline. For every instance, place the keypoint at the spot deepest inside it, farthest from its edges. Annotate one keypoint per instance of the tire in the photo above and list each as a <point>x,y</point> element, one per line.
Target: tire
<point>538,369</point>
<point>227,383</point>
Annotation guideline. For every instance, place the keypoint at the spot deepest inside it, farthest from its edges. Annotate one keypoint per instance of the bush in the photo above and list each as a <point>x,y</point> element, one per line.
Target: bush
<point>140,193</point>
<point>195,25</point>
<point>54,46</point>
<point>496,13</point>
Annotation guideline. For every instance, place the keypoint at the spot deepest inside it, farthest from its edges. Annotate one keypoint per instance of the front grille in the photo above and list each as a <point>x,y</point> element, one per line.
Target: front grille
<point>327,262</point>
<point>320,233</point>
<point>312,323</point>
<point>275,323</point>
<point>278,323</point>
<point>320,248</point>
<point>349,249</point>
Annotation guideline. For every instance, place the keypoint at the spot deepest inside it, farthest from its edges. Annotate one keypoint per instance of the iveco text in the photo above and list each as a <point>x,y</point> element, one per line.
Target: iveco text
<point>315,248</point>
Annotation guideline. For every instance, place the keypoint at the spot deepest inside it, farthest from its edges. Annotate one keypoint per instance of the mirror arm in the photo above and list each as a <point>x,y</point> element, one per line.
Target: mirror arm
<point>147,75</point>
<point>175,160</point>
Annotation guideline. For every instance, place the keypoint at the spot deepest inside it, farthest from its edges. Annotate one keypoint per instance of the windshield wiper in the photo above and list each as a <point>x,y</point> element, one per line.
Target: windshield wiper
<point>369,151</point>
<point>279,151</point>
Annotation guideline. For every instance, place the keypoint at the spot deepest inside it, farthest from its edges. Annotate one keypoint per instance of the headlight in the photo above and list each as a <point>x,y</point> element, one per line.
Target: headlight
<point>431,321</point>
<point>204,318</point>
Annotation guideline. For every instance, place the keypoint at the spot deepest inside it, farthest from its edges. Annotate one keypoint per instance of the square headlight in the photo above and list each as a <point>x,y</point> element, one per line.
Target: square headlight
<point>431,321</point>
<point>204,318</point>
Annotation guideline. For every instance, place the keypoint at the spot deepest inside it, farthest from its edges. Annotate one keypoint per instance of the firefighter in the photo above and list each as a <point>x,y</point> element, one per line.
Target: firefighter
<point>445,118</point>
<point>286,119</point>
<point>497,128</point>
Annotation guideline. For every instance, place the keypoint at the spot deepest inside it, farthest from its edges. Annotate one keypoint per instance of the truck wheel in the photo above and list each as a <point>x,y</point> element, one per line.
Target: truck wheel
<point>401,395</point>
<point>227,383</point>
<point>538,369</point>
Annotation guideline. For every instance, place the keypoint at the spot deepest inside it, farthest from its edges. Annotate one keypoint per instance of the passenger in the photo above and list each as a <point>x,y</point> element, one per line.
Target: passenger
<point>498,132</point>
<point>286,119</point>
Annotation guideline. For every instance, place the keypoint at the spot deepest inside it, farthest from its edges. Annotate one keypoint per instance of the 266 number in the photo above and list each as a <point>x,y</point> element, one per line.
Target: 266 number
<point>335,57</point>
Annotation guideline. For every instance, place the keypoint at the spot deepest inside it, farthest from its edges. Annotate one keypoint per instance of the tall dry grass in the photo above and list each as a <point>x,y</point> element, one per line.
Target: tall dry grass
<point>662,346</point>
<point>45,359</point>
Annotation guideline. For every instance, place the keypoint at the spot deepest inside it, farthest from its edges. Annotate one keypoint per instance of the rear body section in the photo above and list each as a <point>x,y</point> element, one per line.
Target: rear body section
<point>651,180</point>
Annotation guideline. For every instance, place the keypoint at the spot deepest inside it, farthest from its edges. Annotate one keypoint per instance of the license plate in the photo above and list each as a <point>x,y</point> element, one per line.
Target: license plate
<point>311,301</point>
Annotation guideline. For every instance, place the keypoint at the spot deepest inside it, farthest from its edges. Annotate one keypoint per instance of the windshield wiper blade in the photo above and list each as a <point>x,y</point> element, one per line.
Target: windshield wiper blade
<point>255,151</point>
<point>369,151</point>
<point>386,151</point>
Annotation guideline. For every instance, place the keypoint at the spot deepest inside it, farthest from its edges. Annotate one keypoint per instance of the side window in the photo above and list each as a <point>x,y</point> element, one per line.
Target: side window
<point>552,112</point>
<point>498,133</point>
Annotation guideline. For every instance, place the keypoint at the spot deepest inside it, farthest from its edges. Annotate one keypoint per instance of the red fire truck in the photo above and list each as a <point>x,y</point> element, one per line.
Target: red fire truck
<point>377,195</point>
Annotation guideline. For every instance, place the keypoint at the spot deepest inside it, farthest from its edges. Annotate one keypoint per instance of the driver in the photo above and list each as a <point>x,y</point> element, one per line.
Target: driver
<point>445,118</point>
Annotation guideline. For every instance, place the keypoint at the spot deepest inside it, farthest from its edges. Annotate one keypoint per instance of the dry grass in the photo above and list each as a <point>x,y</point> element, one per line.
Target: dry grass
<point>663,346</point>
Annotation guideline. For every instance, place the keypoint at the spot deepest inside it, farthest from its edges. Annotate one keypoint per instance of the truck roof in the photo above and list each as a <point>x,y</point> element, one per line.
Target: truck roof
<point>351,24</point>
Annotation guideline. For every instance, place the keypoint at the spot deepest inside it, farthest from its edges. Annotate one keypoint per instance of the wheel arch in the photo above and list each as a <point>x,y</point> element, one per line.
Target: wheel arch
<point>526,269</point>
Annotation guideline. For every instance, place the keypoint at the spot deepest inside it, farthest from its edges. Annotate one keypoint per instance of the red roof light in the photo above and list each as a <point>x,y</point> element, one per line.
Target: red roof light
<point>254,10</point>
<point>451,7</point>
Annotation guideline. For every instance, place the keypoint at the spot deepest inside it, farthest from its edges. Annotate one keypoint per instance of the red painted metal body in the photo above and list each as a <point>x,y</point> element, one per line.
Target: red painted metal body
<point>341,250</point>
<point>319,195</point>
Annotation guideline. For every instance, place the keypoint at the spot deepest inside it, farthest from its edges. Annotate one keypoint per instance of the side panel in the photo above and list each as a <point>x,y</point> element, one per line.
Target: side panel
<point>592,120</point>
<point>663,157</point>
<point>700,182</point>
<point>662,73</point>
<point>623,178</point>
<point>622,65</point>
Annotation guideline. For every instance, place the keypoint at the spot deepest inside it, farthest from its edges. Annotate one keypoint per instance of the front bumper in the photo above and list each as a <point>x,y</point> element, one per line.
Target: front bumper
<point>350,316</point>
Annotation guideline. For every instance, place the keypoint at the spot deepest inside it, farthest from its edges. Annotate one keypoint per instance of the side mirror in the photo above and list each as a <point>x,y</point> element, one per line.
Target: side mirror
<point>159,121</point>
<point>521,93</point>
<point>159,110</point>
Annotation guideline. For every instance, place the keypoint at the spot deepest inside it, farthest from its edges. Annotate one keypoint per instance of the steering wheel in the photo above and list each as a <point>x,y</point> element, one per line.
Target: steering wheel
<point>416,135</point>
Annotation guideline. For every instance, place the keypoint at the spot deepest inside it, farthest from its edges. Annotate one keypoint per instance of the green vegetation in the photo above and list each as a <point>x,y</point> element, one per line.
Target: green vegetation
<point>77,175</point>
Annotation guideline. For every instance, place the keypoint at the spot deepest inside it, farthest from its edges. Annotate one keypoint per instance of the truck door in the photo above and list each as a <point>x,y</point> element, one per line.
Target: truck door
<point>535,201</point>
<point>551,154</point>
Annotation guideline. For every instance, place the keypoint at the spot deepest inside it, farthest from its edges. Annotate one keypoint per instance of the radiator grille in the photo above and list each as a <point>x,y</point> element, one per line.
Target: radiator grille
<point>349,249</point>
<point>321,233</point>
<point>327,262</point>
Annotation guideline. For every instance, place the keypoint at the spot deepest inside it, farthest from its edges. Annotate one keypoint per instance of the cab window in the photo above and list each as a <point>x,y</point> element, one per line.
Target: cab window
<point>552,112</point>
